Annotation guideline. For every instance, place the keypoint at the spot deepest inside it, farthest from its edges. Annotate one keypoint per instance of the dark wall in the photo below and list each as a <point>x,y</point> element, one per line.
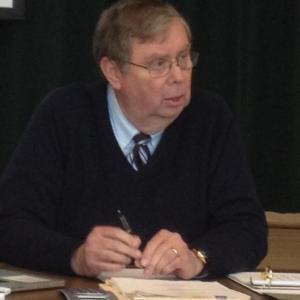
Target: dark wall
<point>250,54</point>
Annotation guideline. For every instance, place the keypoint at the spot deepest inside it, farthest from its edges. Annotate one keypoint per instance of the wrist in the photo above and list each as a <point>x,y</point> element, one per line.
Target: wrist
<point>202,259</point>
<point>200,255</point>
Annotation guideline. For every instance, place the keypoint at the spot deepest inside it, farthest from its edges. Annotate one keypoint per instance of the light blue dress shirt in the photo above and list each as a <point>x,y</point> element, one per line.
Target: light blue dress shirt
<point>124,130</point>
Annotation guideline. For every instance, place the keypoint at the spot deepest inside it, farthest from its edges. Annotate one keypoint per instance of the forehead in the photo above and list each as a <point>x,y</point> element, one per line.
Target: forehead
<point>168,42</point>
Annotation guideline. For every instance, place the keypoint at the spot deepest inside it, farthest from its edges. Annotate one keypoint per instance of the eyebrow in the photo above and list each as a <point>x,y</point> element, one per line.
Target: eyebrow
<point>158,55</point>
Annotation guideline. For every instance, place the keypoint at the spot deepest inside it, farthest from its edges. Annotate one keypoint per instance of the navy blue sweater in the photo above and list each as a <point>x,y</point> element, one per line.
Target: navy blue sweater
<point>68,174</point>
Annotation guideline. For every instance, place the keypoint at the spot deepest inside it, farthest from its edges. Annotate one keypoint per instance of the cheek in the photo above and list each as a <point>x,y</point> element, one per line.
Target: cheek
<point>150,94</point>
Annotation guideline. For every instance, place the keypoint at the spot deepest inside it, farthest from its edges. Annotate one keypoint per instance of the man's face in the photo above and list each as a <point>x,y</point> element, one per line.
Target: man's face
<point>151,104</point>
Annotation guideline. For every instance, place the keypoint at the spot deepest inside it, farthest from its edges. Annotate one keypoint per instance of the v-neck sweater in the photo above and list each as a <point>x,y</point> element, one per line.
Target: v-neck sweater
<point>68,174</point>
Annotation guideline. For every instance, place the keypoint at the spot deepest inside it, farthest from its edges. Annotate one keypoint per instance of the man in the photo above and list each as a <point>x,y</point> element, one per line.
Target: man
<point>172,163</point>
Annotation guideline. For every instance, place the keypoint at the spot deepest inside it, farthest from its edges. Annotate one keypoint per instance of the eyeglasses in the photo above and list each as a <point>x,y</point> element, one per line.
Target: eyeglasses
<point>161,67</point>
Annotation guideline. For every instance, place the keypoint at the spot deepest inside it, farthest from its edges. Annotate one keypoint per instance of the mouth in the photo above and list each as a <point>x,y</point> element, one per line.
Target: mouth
<point>174,99</point>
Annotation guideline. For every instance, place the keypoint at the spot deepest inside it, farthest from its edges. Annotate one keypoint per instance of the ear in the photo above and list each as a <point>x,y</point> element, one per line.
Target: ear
<point>111,71</point>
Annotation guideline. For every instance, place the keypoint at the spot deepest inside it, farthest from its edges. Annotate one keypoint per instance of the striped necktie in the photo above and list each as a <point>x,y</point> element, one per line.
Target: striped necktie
<point>140,153</point>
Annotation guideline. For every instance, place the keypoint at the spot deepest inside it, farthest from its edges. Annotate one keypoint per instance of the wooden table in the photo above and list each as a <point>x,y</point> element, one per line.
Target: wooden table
<point>81,282</point>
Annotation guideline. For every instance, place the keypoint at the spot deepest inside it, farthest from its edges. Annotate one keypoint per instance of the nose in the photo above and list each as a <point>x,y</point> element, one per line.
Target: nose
<point>176,74</point>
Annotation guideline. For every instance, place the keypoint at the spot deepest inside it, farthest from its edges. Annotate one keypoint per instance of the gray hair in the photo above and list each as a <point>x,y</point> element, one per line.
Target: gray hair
<point>130,19</point>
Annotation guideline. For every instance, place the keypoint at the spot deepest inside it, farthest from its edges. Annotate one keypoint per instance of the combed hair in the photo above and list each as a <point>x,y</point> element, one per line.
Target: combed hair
<point>129,19</point>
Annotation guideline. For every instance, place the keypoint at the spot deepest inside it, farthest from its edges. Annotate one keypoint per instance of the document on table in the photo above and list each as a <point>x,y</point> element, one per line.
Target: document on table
<point>131,273</point>
<point>280,286</point>
<point>154,289</point>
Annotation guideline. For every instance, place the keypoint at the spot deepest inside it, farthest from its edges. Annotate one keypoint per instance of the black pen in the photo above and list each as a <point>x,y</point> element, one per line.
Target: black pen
<point>124,222</point>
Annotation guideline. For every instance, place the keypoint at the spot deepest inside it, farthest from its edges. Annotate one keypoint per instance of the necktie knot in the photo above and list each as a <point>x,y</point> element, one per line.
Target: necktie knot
<point>140,152</point>
<point>141,138</point>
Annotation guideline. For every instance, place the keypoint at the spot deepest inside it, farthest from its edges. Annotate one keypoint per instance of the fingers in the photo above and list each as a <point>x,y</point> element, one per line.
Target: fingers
<point>112,249</point>
<point>114,244</point>
<point>83,263</point>
<point>158,256</point>
<point>106,249</point>
<point>166,263</point>
<point>115,233</point>
<point>167,253</point>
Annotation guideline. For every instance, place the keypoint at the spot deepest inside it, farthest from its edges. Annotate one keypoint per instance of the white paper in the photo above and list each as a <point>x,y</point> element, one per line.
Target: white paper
<point>177,289</point>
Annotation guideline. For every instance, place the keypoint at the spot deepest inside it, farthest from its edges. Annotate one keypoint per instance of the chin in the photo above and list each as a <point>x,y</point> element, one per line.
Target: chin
<point>172,114</point>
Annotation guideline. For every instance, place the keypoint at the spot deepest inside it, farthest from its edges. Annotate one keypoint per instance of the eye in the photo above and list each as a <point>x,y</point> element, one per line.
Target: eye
<point>158,63</point>
<point>184,56</point>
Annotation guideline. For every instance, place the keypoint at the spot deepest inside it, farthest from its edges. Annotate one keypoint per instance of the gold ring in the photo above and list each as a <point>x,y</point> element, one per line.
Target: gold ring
<point>175,251</point>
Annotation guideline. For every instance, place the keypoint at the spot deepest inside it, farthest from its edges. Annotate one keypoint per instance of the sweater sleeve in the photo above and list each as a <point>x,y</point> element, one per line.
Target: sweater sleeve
<point>236,239</point>
<point>30,193</point>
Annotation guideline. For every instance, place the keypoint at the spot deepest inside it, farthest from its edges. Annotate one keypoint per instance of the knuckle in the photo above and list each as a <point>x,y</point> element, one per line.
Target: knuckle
<point>90,241</point>
<point>95,230</point>
<point>163,232</point>
<point>177,235</point>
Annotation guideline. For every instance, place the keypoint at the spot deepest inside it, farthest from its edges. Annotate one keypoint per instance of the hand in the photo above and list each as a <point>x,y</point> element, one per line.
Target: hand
<point>106,248</point>
<point>167,253</point>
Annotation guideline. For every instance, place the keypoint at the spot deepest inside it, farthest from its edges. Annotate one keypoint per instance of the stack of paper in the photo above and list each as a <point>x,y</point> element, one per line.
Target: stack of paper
<point>154,289</point>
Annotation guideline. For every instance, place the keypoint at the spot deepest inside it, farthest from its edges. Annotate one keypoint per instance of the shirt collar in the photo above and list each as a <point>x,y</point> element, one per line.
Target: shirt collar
<point>122,128</point>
